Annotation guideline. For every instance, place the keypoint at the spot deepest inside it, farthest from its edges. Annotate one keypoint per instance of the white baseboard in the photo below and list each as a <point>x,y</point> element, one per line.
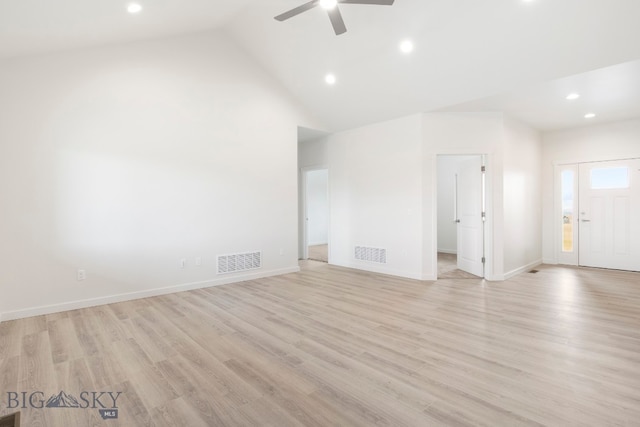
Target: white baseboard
<point>110,299</point>
<point>317,243</point>
<point>522,269</point>
<point>365,266</point>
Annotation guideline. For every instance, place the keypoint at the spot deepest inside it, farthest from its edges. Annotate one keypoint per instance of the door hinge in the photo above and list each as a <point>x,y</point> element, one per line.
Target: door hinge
<point>483,260</point>
<point>484,216</point>
<point>483,168</point>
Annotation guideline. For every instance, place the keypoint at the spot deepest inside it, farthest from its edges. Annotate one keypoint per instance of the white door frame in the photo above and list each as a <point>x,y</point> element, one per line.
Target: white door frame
<point>303,222</point>
<point>487,161</point>
<point>557,205</point>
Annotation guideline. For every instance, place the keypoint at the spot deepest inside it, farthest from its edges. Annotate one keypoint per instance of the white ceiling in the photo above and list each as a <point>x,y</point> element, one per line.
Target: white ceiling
<point>36,26</point>
<point>465,49</point>
<point>612,93</point>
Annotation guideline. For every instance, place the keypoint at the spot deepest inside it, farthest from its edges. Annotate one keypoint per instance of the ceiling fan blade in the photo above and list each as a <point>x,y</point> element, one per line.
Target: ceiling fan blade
<point>337,21</point>
<point>298,10</point>
<point>378,2</point>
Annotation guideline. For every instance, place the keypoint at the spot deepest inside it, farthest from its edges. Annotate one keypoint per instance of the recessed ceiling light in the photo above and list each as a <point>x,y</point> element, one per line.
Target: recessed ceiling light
<point>330,79</point>
<point>328,4</point>
<point>406,46</point>
<point>134,8</point>
<point>573,96</point>
<point>589,116</point>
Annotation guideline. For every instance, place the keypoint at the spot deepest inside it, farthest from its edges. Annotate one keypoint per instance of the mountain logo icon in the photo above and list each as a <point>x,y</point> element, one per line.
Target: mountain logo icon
<point>62,400</point>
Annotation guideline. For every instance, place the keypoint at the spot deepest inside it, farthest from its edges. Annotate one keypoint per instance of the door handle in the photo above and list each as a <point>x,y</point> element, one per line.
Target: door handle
<point>585,220</point>
<point>458,221</point>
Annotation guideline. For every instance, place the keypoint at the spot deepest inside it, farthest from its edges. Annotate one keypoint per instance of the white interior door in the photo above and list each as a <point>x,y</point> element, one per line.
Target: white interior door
<point>609,215</point>
<point>469,216</point>
<point>317,207</point>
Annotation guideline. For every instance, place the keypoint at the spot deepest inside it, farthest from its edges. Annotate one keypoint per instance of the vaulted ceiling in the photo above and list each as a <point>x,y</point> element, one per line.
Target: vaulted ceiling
<point>465,50</point>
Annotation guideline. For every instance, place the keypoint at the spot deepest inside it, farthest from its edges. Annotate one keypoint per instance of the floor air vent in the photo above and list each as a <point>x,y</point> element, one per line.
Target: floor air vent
<point>364,253</point>
<point>239,262</point>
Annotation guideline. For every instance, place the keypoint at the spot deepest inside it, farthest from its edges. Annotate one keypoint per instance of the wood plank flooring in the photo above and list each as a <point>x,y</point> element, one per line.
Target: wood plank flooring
<point>448,268</point>
<point>319,253</point>
<point>335,347</point>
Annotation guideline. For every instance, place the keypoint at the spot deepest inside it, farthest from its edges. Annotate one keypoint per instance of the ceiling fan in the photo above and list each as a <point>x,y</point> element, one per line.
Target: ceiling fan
<point>331,6</point>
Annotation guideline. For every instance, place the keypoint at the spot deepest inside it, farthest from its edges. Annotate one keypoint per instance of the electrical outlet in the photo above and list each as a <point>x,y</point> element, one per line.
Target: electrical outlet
<point>183,263</point>
<point>82,274</point>
<point>198,261</point>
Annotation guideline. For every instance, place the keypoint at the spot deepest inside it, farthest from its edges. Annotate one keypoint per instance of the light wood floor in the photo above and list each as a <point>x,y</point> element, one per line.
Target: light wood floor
<point>319,253</point>
<point>335,347</point>
<point>448,268</point>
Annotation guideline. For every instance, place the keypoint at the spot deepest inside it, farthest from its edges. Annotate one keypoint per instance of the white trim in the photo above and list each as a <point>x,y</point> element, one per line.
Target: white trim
<point>549,261</point>
<point>599,160</point>
<point>92,302</point>
<point>522,269</point>
<point>366,266</point>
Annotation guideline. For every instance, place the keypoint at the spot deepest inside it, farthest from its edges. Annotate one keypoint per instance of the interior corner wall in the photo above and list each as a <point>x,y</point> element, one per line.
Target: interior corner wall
<point>313,153</point>
<point>522,198</point>
<point>463,133</point>
<point>612,141</point>
<point>375,195</point>
<point>124,160</point>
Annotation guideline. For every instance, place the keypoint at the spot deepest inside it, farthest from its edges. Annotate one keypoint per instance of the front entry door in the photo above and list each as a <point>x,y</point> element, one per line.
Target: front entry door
<point>469,217</point>
<point>609,215</point>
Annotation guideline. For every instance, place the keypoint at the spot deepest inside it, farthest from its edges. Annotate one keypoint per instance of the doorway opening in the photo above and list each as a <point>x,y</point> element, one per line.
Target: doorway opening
<point>461,216</point>
<point>315,239</point>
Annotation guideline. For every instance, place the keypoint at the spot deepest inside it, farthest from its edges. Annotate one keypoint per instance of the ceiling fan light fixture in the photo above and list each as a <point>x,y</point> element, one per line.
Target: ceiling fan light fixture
<point>328,4</point>
<point>134,8</point>
<point>406,46</point>
<point>330,79</point>
<point>331,6</point>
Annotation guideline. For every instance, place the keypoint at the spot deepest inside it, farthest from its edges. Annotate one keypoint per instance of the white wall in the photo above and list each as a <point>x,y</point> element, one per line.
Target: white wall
<point>613,141</point>
<point>463,133</point>
<point>375,195</point>
<point>317,207</point>
<point>383,184</point>
<point>123,160</point>
<point>522,198</point>
<point>313,153</point>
